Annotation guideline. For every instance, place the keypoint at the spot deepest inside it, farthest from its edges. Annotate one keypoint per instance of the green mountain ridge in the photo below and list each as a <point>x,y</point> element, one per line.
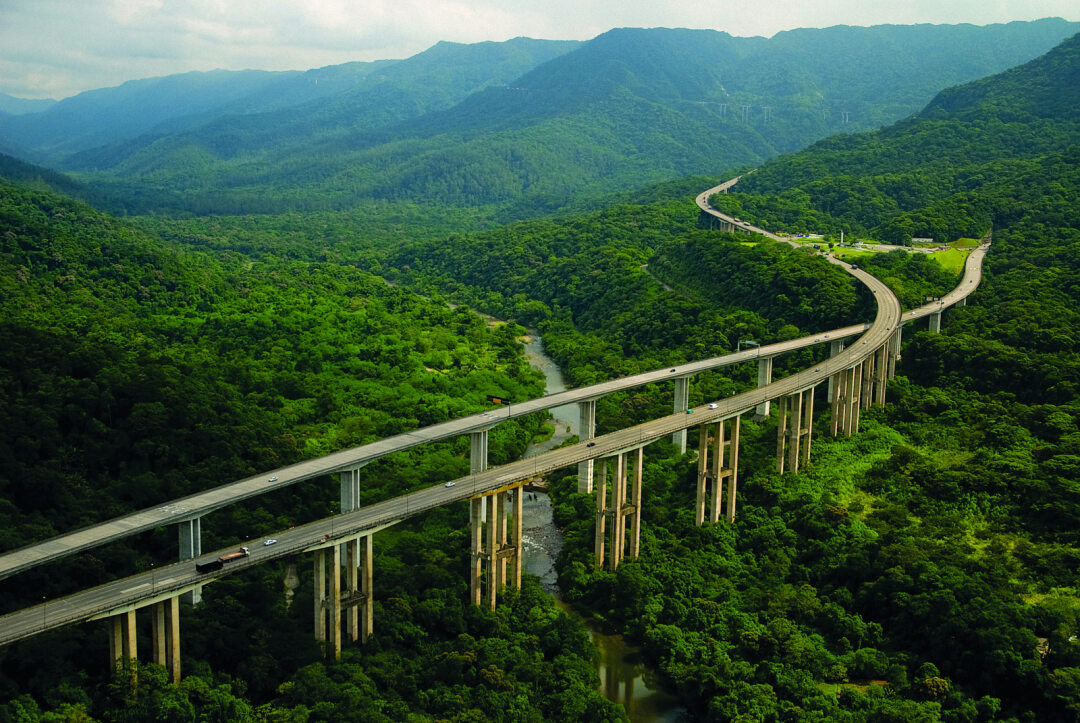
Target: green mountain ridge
<point>630,107</point>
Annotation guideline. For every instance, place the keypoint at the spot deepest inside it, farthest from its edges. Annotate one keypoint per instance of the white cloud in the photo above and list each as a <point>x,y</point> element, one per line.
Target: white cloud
<point>54,48</point>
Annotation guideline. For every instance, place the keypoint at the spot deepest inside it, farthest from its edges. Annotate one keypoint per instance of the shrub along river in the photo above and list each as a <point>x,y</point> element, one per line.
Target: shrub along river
<point>623,676</point>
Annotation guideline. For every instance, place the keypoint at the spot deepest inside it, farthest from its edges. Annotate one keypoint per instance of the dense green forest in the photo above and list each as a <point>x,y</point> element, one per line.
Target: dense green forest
<point>926,569</point>
<point>922,570</point>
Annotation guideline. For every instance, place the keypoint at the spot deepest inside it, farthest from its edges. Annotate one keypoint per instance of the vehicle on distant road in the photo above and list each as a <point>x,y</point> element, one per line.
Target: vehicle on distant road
<point>211,565</point>
<point>713,405</point>
<point>230,556</point>
<point>273,479</point>
<point>448,484</point>
<point>267,543</point>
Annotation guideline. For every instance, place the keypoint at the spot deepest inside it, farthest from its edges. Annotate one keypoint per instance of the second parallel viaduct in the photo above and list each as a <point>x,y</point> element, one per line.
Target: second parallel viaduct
<point>609,466</point>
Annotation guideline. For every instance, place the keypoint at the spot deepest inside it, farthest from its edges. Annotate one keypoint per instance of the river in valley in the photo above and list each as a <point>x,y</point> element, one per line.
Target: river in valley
<point>623,676</point>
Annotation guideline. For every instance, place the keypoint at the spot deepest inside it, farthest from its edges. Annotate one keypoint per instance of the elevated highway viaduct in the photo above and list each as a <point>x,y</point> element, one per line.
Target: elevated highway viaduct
<point>862,358</point>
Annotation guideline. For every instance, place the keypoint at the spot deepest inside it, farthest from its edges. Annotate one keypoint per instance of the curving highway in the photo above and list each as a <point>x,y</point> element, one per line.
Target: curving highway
<point>146,588</point>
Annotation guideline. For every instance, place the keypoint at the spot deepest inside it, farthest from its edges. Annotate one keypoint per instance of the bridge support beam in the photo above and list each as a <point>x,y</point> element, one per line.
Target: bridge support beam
<point>935,322</point>
<point>881,373</point>
<point>586,431</point>
<point>716,469</point>
<point>502,551</point>
<point>894,351</point>
<point>835,347</point>
<point>166,636</point>
<point>793,431</point>
<point>682,403</point>
<point>190,548</point>
<point>354,557</point>
<point>961,302</point>
<point>357,554</point>
<point>123,645</point>
<point>866,396</point>
<point>350,488</point>
<point>764,378</point>
<point>624,506</point>
<point>847,402</point>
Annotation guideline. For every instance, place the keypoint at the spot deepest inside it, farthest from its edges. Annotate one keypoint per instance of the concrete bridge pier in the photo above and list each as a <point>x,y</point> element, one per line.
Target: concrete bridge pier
<point>624,506</point>
<point>478,458</point>
<point>866,374</point>
<point>166,636</point>
<point>682,403</point>
<point>502,551</point>
<point>961,302</point>
<point>350,488</point>
<point>935,322</point>
<point>894,351</point>
<point>586,431</point>
<point>835,347</point>
<point>847,402</point>
<point>328,603</point>
<point>190,548</point>
<point>793,431</point>
<point>764,378</point>
<point>717,471</point>
<point>123,642</point>
<point>881,373</point>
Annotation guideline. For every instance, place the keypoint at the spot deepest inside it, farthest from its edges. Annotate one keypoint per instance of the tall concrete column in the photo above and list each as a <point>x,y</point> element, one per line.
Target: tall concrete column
<point>586,431</point>
<point>157,632</point>
<point>116,643</point>
<point>702,474</point>
<point>881,373</point>
<point>935,322</point>
<point>855,400</point>
<point>501,540</point>
<point>733,460</point>
<point>793,433</point>
<point>894,351</point>
<point>351,549</point>
<point>618,521</point>
<point>172,636</point>
<point>781,432</point>
<point>476,546</point>
<point>600,487</point>
<point>350,488</point>
<point>492,550</point>
<point>190,548</point>
<point>478,451</point>
<point>165,636</point>
<point>717,474</point>
<point>764,378</point>
<point>478,459</point>
<point>319,596</point>
<point>123,649</point>
<point>516,534</point>
<point>635,492</point>
<point>335,600</point>
<point>867,395</point>
<point>682,403</point>
<point>806,432</point>
<point>367,591</point>
<point>962,302</point>
<point>835,347</point>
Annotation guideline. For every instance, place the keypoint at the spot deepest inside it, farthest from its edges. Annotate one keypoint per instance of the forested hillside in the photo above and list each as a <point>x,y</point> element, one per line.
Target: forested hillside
<point>456,126</point>
<point>926,569</point>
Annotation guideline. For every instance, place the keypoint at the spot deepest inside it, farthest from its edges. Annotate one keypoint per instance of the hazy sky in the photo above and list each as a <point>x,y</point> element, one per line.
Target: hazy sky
<point>56,48</point>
